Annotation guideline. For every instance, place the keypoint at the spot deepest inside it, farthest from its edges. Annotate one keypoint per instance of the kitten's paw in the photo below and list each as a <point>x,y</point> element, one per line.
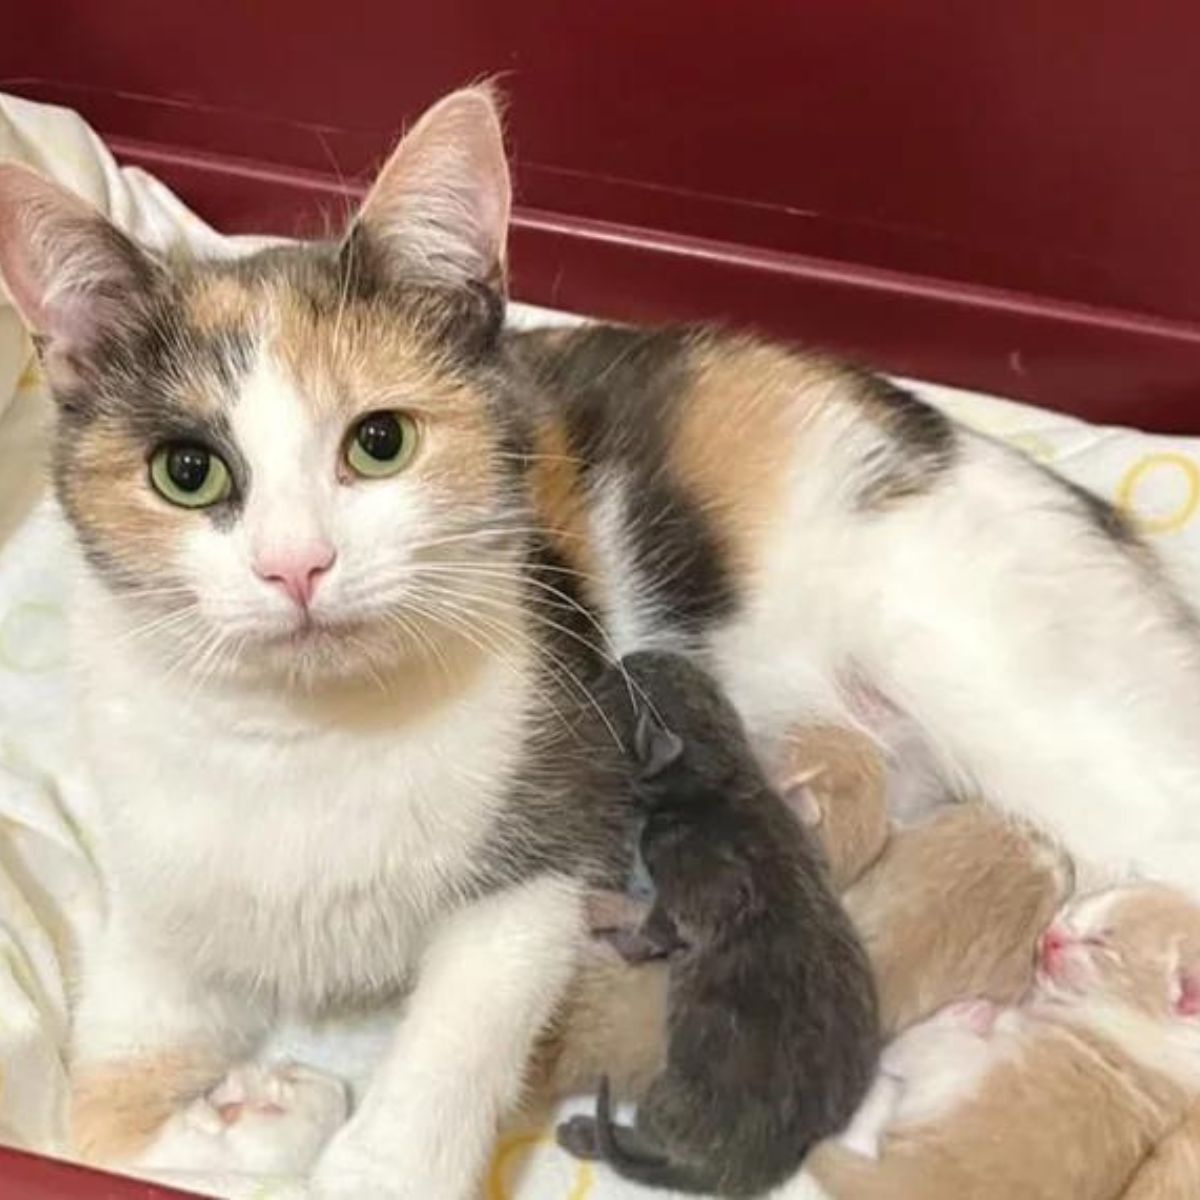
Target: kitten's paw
<point>577,1136</point>
<point>262,1120</point>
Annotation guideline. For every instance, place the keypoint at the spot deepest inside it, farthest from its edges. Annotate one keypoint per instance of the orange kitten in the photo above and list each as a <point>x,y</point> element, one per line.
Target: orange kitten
<point>953,907</point>
<point>1172,1170</point>
<point>1082,1080</point>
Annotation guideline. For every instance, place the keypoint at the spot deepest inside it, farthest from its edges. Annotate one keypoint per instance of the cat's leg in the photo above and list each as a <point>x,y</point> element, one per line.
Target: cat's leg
<point>489,982</point>
<point>147,1040</point>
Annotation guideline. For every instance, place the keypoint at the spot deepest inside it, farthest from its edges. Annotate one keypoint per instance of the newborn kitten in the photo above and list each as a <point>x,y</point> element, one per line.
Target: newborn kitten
<point>953,907</point>
<point>1172,1169</point>
<point>771,1029</point>
<point>1102,1058</point>
<point>834,780</point>
<point>947,908</point>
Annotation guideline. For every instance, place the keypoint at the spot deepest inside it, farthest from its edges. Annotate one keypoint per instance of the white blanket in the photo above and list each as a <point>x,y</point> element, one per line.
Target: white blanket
<point>50,895</point>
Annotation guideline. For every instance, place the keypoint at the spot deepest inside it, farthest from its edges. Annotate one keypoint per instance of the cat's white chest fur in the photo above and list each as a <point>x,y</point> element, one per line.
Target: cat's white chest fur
<point>309,861</point>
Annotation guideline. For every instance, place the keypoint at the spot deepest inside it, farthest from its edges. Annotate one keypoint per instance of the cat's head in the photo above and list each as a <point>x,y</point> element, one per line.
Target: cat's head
<point>684,737</point>
<point>303,461</point>
<point>1133,948</point>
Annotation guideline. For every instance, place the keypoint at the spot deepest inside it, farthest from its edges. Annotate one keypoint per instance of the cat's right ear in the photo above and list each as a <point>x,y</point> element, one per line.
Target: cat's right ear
<point>438,211</point>
<point>69,271</point>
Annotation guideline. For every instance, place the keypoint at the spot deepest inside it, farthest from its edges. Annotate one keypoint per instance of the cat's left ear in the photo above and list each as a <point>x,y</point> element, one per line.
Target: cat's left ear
<point>70,272</point>
<point>438,212</point>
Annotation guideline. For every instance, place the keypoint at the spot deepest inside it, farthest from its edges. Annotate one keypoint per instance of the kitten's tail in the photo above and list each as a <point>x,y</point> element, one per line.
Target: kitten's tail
<point>633,1158</point>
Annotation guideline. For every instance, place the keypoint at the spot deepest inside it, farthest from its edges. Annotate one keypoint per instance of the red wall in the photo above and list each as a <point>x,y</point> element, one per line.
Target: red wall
<point>1001,195</point>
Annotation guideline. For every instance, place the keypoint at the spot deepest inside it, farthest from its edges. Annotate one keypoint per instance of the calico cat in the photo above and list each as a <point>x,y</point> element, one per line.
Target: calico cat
<point>1063,1095</point>
<point>771,1025</point>
<point>347,548</point>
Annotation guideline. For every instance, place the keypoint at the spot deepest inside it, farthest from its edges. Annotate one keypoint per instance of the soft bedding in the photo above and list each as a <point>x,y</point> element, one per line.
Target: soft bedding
<point>50,893</point>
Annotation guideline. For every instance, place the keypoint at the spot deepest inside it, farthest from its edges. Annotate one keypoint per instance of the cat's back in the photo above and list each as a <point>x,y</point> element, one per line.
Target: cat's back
<point>700,484</point>
<point>721,415</point>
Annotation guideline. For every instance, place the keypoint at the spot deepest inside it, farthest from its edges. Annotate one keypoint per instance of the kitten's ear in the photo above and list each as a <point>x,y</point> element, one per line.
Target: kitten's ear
<point>69,271</point>
<point>438,212</point>
<point>800,797</point>
<point>655,746</point>
<point>1187,993</point>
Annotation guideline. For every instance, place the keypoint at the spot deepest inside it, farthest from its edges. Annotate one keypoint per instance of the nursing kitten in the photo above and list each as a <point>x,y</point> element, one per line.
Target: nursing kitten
<point>953,907</point>
<point>771,1030</point>
<point>1171,1171</point>
<point>346,549</point>
<point>835,783</point>
<point>948,908</point>
<point>1064,1095</point>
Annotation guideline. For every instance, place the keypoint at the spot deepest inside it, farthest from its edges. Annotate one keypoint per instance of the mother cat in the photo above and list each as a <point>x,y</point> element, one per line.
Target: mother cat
<point>344,541</point>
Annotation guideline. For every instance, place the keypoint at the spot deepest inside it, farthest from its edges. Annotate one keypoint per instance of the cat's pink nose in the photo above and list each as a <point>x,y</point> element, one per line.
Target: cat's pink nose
<point>297,570</point>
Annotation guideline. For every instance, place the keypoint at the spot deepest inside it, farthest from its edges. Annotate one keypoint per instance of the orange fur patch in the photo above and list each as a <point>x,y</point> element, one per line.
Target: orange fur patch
<point>107,493</point>
<point>117,1108</point>
<point>556,488</point>
<point>219,302</point>
<point>735,437</point>
<point>1172,1170</point>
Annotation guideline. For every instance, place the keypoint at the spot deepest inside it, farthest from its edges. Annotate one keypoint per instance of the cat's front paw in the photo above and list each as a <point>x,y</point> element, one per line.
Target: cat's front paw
<point>260,1120</point>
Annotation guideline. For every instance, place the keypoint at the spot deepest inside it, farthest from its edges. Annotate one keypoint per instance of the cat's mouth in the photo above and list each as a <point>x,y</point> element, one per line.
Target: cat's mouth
<point>309,628</point>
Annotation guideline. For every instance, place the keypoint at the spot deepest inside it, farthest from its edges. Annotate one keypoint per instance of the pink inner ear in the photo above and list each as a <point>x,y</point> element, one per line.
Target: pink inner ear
<point>1188,1002</point>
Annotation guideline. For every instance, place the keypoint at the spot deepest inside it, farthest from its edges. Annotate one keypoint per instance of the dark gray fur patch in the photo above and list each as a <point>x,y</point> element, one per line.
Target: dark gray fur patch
<point>921,444</point>
<point>1105,518</point>
<point>619,391</point>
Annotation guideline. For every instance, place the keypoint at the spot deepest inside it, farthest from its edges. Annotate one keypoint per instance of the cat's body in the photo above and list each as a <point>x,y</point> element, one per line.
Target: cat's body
<point>771,1025</point>
<point>1064,1095</point>
<point>309,703</point>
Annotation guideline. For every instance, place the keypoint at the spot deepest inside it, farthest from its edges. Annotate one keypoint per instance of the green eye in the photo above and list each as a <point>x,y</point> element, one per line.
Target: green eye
<point>381,444</point>
<point>190,475</point>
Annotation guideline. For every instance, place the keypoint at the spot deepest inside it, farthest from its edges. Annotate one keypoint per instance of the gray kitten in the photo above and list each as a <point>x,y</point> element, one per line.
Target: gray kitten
<point>773,1032</point>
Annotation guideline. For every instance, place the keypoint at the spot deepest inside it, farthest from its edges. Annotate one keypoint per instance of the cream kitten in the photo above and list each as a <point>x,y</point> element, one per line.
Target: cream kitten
<point>348,551</point>
<point>953,907</point>
<point>1063,1095</point>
